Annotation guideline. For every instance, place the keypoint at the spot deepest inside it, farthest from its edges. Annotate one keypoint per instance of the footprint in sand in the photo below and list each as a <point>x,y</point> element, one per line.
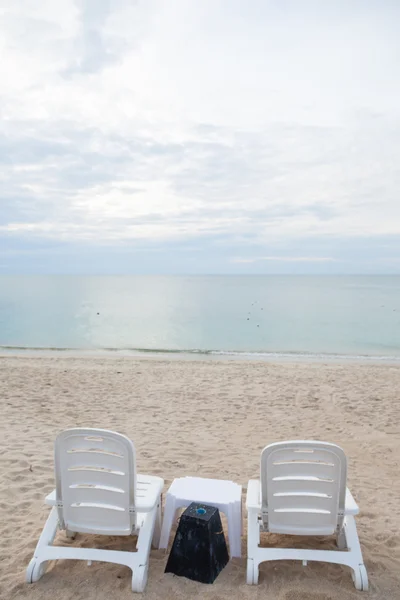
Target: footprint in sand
<point>393,541</point>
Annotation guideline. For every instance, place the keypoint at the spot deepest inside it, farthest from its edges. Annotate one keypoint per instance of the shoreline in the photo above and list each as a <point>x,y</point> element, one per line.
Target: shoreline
<point>200,356</point>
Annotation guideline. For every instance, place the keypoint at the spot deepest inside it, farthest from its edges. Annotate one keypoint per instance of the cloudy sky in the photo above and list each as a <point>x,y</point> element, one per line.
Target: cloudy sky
<point>212,136</point>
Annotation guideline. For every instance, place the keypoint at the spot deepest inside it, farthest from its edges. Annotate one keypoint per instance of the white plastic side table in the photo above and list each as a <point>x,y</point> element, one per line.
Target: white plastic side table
<point>224,495</point>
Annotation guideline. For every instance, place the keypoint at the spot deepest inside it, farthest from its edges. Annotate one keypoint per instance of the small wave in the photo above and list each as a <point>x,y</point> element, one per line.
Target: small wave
<point>158,350</point>
<point>40,348</point>
<point>260,354</point>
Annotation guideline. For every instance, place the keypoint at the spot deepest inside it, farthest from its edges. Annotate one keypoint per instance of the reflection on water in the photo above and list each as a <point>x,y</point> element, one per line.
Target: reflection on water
<point>343,315</point>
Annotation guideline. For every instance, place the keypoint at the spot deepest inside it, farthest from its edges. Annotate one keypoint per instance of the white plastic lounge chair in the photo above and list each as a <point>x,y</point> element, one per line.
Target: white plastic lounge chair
<point>303,492</point>
<point>98,491</point>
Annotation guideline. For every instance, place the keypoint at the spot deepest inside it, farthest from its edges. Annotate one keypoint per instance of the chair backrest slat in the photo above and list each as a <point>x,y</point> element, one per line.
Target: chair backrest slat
<point>95,481</point>
<point>303,487</point>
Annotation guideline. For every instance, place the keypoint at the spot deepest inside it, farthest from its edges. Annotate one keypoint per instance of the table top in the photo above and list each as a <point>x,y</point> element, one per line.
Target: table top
<point>201,489</point>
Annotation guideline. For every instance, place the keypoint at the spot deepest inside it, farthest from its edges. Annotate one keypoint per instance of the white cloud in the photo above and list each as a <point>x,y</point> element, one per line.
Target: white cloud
<point>178,120</point>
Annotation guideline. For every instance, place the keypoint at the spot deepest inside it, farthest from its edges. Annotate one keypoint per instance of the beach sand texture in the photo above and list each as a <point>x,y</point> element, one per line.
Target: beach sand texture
<point>206,418</point>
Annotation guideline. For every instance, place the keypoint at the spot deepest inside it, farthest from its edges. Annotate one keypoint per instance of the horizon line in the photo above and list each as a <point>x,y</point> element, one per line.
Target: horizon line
<point>52,274</point>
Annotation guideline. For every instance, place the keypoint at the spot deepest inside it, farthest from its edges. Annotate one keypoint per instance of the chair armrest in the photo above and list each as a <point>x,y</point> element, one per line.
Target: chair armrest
<point>50,499</point>
<point>350,506</point>
<point>148,492</point>
<point>253,498</point>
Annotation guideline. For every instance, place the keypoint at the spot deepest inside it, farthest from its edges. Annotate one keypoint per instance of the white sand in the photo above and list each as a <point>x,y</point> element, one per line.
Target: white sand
<point>209,418</point>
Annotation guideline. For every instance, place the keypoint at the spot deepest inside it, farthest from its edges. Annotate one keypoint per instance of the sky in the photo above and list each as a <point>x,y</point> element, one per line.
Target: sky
<point>219,136</point>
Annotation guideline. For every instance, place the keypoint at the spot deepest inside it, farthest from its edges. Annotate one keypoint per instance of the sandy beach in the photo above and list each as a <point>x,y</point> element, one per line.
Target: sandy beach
<point>209,418</point>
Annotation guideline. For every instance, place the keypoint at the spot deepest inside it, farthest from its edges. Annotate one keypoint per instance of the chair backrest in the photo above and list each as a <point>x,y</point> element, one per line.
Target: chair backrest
<point>95,472</point>
<point>303,487</point>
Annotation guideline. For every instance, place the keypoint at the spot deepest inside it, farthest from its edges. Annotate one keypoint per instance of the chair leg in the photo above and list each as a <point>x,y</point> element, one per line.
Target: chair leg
<point>250,571</point>
<point>341,539</point>
<point>256,572</point>
<point>169,514</point>
<point>239,522</point>
<point>70,534</point>
<point>139,578</point>
<point>157,527</point>
<point>241,518</point>
<point>140,559</point>
<point>253,542</point>
<point>360,577</point>
<point>38,563</point>
<point>233,530</point>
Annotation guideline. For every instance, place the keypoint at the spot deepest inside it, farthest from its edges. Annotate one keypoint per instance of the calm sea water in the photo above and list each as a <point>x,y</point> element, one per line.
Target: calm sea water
<point>245,314</point>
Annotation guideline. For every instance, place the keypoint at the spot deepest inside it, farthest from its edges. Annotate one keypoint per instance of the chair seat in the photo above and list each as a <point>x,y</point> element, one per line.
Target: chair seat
<point>148,492</point>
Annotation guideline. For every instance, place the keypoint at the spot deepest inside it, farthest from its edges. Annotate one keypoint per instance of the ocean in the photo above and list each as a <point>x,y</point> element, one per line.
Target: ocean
<point>354,316</point>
